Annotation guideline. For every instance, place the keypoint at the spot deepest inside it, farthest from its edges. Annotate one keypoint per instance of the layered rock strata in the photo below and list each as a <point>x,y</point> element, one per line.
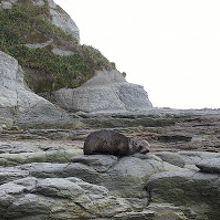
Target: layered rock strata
<point>106,187</point>
<point>107,91</point>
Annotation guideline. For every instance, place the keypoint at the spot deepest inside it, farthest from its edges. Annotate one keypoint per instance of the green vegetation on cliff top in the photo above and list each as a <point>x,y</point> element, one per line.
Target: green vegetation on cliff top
<point>46,71</point>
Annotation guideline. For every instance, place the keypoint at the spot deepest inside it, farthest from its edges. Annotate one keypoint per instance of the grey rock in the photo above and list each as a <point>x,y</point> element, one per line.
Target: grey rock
<point>39,45</point>
<point>38,3</point>
<point>59,156</point>
<point>11,173</point>
<point>63,20</point>
<point>60,18</point>
<point>7,4</point>
<point>125,177</point>
<point>193,157</point>
<point>209,165</point>
<point>52,4</point>
<point>100,163</point>
<point>37,146</point>
<point>58,198</point>
<point>62,52</point>
<point>107,91</point>
<point>136,187</point>
<point>21,104</point>
<point>172,158</point>
<point>191,189</point>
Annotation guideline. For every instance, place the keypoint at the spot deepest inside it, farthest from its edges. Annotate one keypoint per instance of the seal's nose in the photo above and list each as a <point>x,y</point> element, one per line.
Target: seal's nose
<point>145,150</point>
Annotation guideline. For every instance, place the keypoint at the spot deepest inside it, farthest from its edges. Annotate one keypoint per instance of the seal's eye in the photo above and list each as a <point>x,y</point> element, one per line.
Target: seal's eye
<point>140,147</point>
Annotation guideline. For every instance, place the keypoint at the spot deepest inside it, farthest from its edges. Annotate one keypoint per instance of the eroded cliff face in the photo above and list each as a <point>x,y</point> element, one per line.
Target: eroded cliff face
<point>58,16</point>
<point>20,104</point>
<point>107,91</point>
<point>45,41</point>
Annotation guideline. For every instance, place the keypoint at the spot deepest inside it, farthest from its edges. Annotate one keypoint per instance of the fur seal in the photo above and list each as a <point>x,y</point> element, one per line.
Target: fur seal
<point>113,143</point>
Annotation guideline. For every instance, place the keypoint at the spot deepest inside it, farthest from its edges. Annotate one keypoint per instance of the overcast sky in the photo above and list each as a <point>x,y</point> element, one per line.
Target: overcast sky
<point>171,47</point>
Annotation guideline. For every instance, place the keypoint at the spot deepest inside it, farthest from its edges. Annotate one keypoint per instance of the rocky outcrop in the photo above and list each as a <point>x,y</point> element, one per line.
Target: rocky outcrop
<point>18,102</point>
<point>56,198</point>
<point>53,60</point>
<point>58,16</point>
<point>197,191</point>
<point>107,187</point>
<point>107,91</point>
<point>61,19</point>
<point>7,4</point>
<point>211,165</point>
<point>63,186</point>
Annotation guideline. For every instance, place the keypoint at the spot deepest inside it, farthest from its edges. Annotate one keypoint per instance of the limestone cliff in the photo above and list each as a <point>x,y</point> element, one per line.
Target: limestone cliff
<point>107,91</point>
<point>19,103</point>
<point>46,43</point>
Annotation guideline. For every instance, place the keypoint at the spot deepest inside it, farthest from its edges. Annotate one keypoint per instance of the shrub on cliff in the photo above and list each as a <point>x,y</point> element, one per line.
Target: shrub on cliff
<point>46,71</point>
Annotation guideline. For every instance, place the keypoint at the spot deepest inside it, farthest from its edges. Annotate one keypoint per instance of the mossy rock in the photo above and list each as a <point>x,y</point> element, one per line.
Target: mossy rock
<point>46,71</point>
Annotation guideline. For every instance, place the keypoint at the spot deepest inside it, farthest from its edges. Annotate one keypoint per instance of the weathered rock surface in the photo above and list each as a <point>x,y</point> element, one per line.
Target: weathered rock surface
<point>61,19</point>
<point>56,198</point>
<point>198,191</point>
<point>21,104</point>
<point>172,158</point>
<point>107,91</point>
<point>7,4</point>
<point>58,16</point>
<point>59,186</point>
<point>211,165</point>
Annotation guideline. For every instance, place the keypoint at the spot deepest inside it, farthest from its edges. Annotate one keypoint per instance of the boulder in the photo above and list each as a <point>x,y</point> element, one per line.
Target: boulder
<point>199,192</point>
<point>108,187</point>
<point>194,157</point>
<point>7,4</point>
<point>124,177</point>
<point>107,91</point>
<point>172,158</point>
<point>209,165</point>
<point>57,198</point>
<point>59,156</point>
<point>19,103</point>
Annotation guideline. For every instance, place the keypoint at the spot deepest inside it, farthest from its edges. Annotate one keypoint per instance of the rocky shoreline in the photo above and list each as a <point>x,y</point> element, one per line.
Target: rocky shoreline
<point>49,182</point>
<point>44,174</point>
<point>53,93</point>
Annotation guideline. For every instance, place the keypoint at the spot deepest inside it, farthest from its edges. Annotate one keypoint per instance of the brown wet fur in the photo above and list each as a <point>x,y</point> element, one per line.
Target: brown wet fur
<point>108,142</point>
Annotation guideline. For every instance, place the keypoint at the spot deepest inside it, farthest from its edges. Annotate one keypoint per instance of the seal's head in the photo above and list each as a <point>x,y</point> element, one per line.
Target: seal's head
<point>137,145</point>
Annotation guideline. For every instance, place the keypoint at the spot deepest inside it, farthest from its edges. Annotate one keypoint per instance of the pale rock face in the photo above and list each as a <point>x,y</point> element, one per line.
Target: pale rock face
<point>38,3</point>
<point>39,45</point>
<point>13,95</point>
<point>59,17</point>
<point>62,52</point>
<point>65,22</point>
<point>7,4</point>
<point>107,91</point>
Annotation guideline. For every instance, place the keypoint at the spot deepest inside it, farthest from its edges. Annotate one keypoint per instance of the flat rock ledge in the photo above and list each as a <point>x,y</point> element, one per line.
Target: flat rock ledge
<point>152,186</point>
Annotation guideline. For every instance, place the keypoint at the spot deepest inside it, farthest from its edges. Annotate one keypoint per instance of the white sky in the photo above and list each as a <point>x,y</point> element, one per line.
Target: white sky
<point>171,47</point>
